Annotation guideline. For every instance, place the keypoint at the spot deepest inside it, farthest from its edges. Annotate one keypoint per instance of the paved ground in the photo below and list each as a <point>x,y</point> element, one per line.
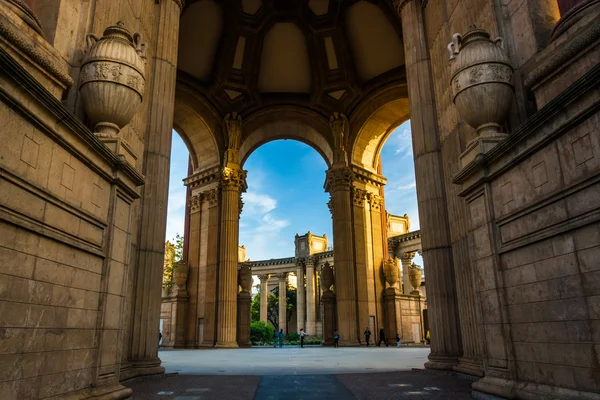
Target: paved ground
<point>293,360</point>
<point>298,374</point>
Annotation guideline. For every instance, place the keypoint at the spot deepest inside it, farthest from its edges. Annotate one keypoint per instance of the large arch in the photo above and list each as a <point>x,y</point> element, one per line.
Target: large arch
<point>373,121</point>
<point>199,127</point>
<point>286,123</point>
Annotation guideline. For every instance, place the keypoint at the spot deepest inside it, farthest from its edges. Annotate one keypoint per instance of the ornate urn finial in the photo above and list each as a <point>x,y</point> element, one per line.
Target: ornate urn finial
<point>391,271</point>
<point>481,80</point>
<point>112,78</point>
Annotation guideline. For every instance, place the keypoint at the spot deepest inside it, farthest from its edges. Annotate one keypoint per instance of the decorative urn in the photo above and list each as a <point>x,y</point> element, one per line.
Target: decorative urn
<point>327,277</point>
<point>245,278</point>
<point>481,80</point>
<point>391,271</point>
<point>180,273</point>
<point>415,275</point>
<point>112,78</point>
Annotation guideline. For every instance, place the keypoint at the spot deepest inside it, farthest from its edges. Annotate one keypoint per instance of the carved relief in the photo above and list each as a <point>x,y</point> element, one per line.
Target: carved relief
<point>375,201</point>
<point>194,203</point>
<point>233,179</point>
<point>233,126</point>
<point>330,206</point>
<point>212,197</point>
<point>339,128</point>
<point>358,197</point>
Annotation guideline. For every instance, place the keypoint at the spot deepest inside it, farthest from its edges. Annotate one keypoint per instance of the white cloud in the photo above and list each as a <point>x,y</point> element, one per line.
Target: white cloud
<point>408,186</point>
<point>258,204</point>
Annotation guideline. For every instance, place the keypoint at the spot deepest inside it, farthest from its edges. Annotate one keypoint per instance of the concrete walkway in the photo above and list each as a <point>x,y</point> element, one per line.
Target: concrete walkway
<point>293,360</point>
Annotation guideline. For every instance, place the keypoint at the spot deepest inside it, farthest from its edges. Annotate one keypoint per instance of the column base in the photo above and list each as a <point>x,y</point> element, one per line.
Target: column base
<point>227,345</point>
<point>147,367</point>
<point>469,366</point>
<point>441,362</point>
<point>511,389</point>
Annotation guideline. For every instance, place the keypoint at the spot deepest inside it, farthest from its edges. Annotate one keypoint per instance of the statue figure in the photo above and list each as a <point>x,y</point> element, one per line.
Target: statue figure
<point>233,124</point>
<point>338,123</point>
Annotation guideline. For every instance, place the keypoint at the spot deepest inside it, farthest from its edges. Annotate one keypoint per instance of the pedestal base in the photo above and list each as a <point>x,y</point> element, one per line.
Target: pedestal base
<point>119,146</point>
<point>510,389</point>
<point>469,366</point>
<point>227,345</point>
<point>480,146</point>
<point>441,362</point>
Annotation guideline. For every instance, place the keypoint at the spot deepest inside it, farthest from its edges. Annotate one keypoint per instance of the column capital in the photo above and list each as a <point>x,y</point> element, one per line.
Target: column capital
<point>375,201</point>
<point>233,178</point>
<point>399,5</point>
<point>264,277</point>
<point>180,4</point>
<point>338,179</point>
<point>406,258</point>
<point>309,261</point>
<point>194,203</point>
<point>330,206</point>
<point>282,276</point>
<point>211,196</point>
<point>359,196</point>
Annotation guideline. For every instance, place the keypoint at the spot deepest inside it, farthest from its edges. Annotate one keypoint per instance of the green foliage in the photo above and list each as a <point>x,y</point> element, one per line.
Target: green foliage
<point>178,247</point>
<point>292,336</point>
<point>261,332</point>
<point>255,308</point>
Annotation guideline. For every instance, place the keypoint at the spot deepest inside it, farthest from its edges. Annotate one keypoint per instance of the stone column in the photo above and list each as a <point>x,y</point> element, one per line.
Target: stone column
<point>338,182</point>
<point>431,193</point>
<point>264,297</point>
<point>406,261</point>
<point>209,261</point>
<point>153,218</point>
<point>193,246</point>
<point>233,181</point>
<point>300,296</point>
<point>282,301</point>
<point>311,297</point>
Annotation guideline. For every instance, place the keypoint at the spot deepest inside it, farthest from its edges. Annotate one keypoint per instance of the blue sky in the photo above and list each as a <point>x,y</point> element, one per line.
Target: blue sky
<point>285,193</point>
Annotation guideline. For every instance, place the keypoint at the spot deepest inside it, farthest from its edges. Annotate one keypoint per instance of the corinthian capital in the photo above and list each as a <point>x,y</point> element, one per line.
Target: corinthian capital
<point>338,178</point>
<point>399,5</point>
<point>180,4</point>
<point>359,196</point>
<point>233,179</point>
<point>375,201</point>
<point>194,203</point>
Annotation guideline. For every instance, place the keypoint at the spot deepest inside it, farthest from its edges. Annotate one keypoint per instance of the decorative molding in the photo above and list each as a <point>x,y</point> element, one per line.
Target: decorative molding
<point>375,201</point>
<point>36,53</point>
<point>282,276</point>
<point>202,178</point>
<point>565,53</point>
<point>330,206</point>
<point>368,177</point>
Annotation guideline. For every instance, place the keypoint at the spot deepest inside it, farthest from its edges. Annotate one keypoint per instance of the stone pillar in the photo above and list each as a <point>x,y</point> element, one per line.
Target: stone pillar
<point>193,235</point>
<point>282,301</point>
<point>209,261</point>
<point>363,257</point>
<point>244,312</point>
<point>153,219</point>
<point>311,298</point>
<point>300,296</point>
<point>429,176</point>
<point>406,261</point>
<point>379,248</point>
<point>233,181</point>
<point>264,297</point>
<point>329,309</point>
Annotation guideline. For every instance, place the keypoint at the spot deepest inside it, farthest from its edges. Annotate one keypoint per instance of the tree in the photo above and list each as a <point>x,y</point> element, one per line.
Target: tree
<point>173,253</point>
<point>273,305</point>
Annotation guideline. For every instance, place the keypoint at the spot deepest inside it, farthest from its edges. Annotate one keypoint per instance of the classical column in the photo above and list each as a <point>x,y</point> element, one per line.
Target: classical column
<point>338,183</point>
<point>329,309</point>
<point>154,195</point>
<point>406,261</point>
<point>192,258</point>
<point>233,182</point>
<point>209,261</point>
<point>264,297</point>
<point>282,301</point>
<point>311,297</point>
<point>431,192</point>
<point>300,296</point>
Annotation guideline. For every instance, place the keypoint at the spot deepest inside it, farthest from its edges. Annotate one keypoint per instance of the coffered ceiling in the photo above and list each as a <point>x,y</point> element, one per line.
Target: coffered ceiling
<point>244,55</point>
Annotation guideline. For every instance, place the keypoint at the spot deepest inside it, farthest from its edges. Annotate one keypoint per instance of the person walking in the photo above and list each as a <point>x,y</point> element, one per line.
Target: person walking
<point>159,338</point>
<point>428,338</point>
<point>382,338</point>
<point>281,336</point>
<point>302,334</point>
<point>397,340</point>
<point>367,335</point>
<point>336,339</point>
<point>274,339</point>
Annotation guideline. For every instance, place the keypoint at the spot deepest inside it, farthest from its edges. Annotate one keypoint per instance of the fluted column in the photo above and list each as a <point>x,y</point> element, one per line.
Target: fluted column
<point>431,193</point>
<point>311,297</point>
<point>406,261</point>
<point>282,301</point>
<point>264,297</point>
<point>338,184</point>
<point>300,296</point>
<point>233,181</point>
<point>154,195</point>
